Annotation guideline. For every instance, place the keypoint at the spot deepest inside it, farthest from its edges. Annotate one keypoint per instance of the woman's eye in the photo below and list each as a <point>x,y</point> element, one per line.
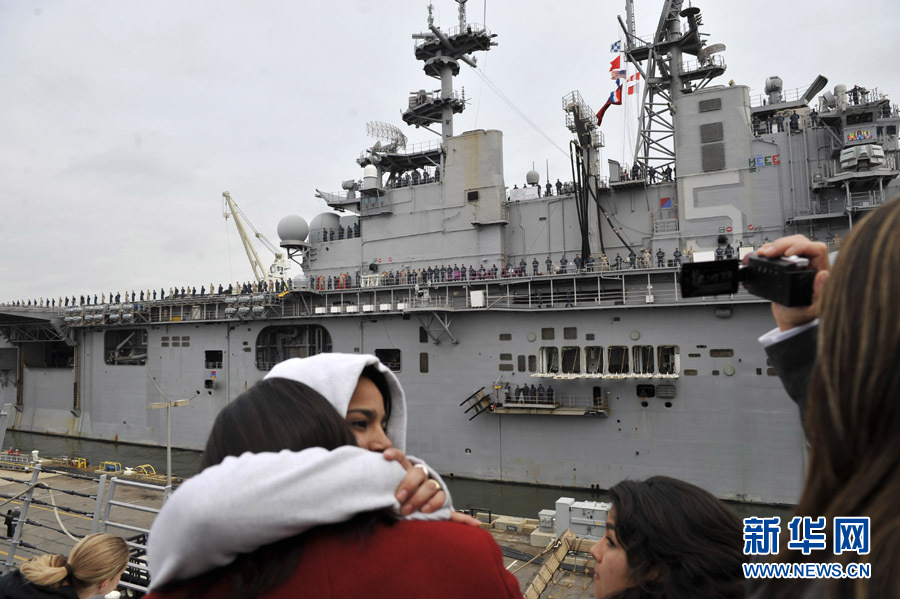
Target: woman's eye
<point>360,424</point>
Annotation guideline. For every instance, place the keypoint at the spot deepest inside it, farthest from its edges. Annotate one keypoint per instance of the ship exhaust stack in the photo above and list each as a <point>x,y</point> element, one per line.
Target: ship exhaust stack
<point>817,86</point>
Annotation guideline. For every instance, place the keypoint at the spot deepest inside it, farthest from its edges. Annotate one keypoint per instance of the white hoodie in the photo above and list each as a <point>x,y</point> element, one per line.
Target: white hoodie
<point>253,500</point>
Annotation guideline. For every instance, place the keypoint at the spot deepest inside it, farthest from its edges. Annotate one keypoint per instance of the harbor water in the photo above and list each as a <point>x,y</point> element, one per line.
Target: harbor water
<point>509,499</point>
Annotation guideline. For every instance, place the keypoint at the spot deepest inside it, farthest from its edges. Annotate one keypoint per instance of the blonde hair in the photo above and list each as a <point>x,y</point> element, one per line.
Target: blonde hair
<point>94,559</point>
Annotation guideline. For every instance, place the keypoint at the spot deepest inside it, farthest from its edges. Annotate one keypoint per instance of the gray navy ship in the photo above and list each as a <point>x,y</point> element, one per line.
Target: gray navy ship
<point>533,347</point>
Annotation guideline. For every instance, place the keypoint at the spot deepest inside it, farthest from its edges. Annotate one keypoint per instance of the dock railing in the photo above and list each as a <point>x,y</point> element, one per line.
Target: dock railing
<point>55,527</point>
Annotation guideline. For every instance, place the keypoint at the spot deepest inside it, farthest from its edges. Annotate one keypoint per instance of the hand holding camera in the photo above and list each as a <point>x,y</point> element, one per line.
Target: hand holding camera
<point>817,254</point>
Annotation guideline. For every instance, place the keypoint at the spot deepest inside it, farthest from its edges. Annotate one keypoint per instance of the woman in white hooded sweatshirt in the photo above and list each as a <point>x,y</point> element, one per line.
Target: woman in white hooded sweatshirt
<point>256,499</point>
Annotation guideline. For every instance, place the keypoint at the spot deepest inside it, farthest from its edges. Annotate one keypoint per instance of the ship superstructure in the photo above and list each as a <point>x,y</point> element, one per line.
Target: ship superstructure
<point>539,332</point>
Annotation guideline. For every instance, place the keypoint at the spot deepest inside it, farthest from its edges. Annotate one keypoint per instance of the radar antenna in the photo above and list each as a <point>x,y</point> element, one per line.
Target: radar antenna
<point>386,132</point>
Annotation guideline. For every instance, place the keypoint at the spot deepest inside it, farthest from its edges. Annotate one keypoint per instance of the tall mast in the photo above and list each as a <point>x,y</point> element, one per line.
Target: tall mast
<point>666,76</point>
<point>441,52</point>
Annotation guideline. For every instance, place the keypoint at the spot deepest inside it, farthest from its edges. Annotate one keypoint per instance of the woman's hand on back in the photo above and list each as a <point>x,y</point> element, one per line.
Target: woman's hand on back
<point>416,492</point>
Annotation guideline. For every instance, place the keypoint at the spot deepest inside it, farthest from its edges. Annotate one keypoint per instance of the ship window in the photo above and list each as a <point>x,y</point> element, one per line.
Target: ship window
<point>390,358</point>
<point>423,362</point>
<point>275,344</point>
<point>212,358</point>
<point>127,347</point>
<point>423,335</point>
<point>571,360</point>
<point>522,363</point>
<point>547,334</point>
<point>711,132</point>
<point>862,117</point>
<point>643,359</point>
<point>593,360</point>
<point>549,359</point>
<point>505,337</point>
<point>618,359</point>
<point>506,367</point>
<point>770,371</point>
<point>570,333</point>
<point>532,363</point>
<point>693,355</point>
<point>668,359</point>
<point>892,129</point>
<point>506,357</point>
<point>721,353</point>
<point>589,336</point>
<point>690,372</point>
<point>472,196</point>
<point>713,157</point>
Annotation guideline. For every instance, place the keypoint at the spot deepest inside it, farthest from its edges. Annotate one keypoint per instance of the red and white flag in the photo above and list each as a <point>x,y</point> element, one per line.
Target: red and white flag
<point>632,83</point>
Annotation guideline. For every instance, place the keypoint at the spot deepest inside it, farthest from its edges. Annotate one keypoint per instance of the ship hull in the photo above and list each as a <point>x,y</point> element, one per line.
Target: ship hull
<point>730,426</point>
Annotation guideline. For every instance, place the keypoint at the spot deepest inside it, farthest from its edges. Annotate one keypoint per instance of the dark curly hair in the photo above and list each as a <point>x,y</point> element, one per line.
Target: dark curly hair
<point>679,541</point>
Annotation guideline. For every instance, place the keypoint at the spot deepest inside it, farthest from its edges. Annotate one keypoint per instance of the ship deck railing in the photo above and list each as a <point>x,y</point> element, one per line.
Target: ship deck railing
<point>566,376</point>
<point>565,405</point>
<point>471,27</point>
<point>585,289</point>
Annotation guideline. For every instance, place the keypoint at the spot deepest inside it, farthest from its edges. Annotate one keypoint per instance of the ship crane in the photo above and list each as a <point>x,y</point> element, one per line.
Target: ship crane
<point>278,269</point>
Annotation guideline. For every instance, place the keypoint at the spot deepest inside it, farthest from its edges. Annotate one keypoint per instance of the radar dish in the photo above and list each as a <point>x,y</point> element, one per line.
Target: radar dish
<point>293,228</point>
<point>387,133</point>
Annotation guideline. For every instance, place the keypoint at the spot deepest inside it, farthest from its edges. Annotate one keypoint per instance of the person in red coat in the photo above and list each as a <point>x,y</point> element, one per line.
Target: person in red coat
<point>371,555</point>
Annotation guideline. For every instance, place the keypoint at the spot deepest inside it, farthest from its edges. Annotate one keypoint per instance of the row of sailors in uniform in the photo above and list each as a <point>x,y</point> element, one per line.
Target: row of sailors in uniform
<point>415,177</point>
<point>528,394</point>
<point>443,274</point>
<point>328,234</point>
<point>275,286</point>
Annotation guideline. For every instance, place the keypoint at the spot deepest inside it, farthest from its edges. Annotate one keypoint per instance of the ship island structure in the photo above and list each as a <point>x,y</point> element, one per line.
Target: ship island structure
<point>539,333</point>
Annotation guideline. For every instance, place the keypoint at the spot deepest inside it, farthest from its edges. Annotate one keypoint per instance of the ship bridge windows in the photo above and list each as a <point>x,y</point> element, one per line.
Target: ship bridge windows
<point>593,360</point>
<point>549,359</point>
<point>642,356</point>
<point>861,118</point>
<point>618,359</point>
<point>125,347</point>
<point>571,360</point>
<point>278,343</point>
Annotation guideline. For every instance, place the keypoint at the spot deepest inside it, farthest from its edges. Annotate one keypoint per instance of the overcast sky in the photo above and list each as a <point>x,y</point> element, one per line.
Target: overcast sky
<point>121,123</point>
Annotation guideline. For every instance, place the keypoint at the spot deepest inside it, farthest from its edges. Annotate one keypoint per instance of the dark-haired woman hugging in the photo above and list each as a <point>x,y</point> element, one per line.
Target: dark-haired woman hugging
<point>370,554</point>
